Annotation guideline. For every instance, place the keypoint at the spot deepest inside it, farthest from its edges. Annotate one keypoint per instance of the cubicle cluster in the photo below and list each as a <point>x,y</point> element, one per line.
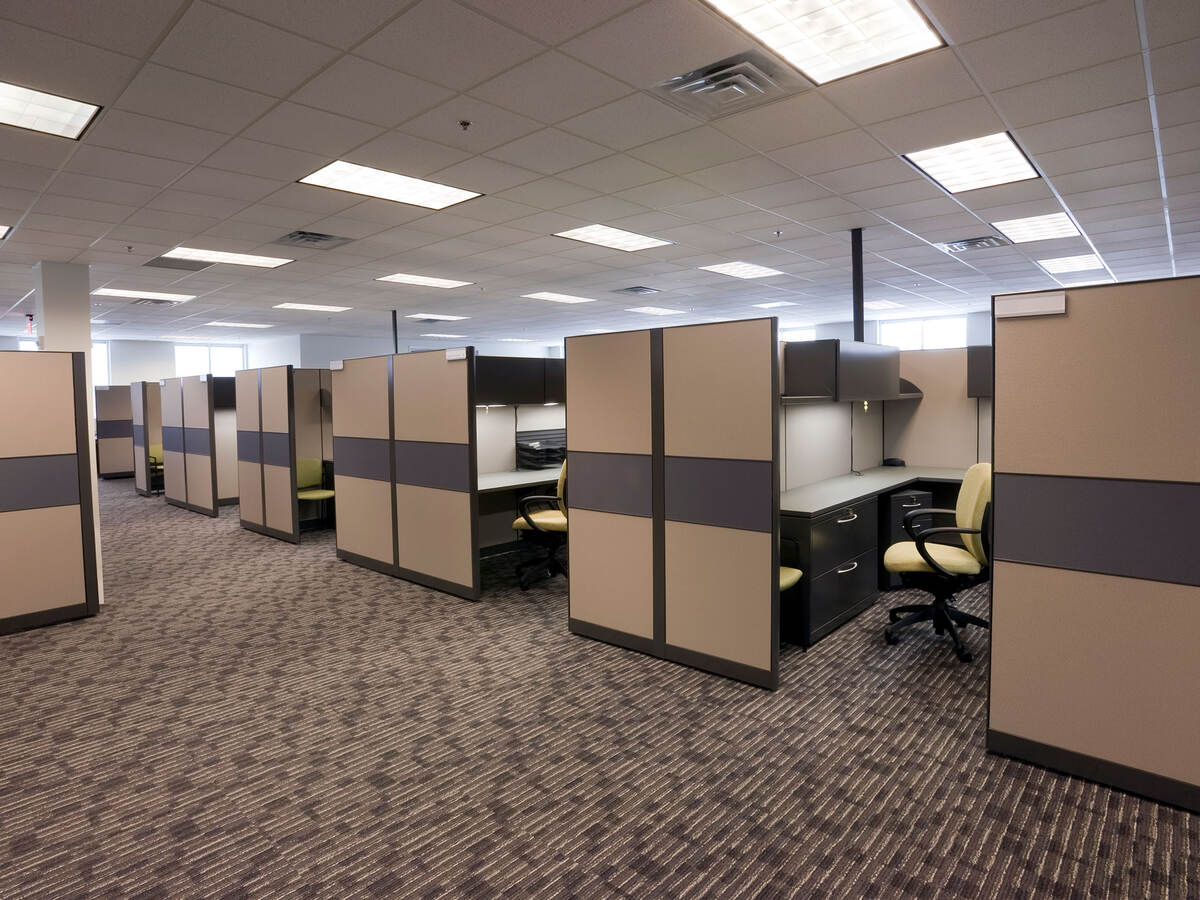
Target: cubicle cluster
<point>199,431</point>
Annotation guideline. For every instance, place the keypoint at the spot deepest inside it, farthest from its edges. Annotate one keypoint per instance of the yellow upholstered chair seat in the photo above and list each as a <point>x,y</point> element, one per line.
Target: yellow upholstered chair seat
<point>156,454</point>
<point>788,577</point>
<point>314,494</point>
<point>903,557</point>
<point>546,519</point>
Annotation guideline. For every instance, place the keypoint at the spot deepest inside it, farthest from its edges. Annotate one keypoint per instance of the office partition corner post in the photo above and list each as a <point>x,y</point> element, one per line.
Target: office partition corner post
<point>212,448</point>
<point>473,463</point>
<point>87,515</point>
<point>291,402</point>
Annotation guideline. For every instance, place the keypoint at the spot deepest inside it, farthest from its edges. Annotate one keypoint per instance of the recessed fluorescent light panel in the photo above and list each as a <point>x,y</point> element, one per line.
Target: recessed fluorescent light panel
<point>828,39</point>
<point>313,307</point>
<point>774,304</point>
<point>655,311</point>
<point>438,317</point>
<point>47,113</point>
<point>515,340</point>
<point>424,280</point>
<point>4,230</point>
<point>1037,228</point>
<point>882,304</point>
<point>742,270</point>
<point>143,295</point>
<point>184,337</point>
<point>1064,264</point>
<point>435,334</point>
<point>232,259</point>
<point>356,179</point>
<point>239,325</point>
<point>977,163</point>
<point>614,238</point>
<point>558,298</point>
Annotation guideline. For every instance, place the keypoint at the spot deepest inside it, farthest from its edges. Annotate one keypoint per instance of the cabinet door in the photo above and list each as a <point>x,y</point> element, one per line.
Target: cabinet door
<point>843,535</point>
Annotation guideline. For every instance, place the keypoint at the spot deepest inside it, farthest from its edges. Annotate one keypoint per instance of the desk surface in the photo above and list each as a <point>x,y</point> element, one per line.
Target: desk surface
<point>511,481</point>
<point>823,496</point>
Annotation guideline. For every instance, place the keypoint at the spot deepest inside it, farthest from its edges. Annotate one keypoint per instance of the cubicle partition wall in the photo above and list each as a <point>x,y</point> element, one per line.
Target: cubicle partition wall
<point>1096,579</point>
<point>47,528</point>
<point>199,443</point>
<point>673,500</point>
<point>282,427</point>
<point>405,478</point>
<point>945,426</point>
<point>114,432</point>
<point>146,401</point>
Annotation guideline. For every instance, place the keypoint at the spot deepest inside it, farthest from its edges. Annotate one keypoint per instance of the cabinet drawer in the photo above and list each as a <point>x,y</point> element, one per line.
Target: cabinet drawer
<point>843,535</point>
<point>841,594</point>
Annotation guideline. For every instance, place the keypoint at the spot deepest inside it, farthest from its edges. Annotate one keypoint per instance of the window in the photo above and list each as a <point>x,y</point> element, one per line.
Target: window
<point>925,334</point>
<point>26,345</point>
<point>100,370</point>
<point>798,334</point>
<point>200,359</point>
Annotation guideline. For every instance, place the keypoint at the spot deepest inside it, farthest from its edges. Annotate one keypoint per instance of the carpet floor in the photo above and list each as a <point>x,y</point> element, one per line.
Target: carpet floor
<point>247,718</point>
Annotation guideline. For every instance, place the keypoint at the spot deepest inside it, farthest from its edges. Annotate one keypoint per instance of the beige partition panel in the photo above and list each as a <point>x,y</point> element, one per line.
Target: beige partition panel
<point>146,401</point>
<point>249,449</point>
<point>673,462</point>
<point>47,536</point>
<point>942,427</point>
<point>200,452</point>
<point>434,470</point>
<point>174,459</point>
<point>1096,584</point>
<point>362,439</point>
<point>114,431</point>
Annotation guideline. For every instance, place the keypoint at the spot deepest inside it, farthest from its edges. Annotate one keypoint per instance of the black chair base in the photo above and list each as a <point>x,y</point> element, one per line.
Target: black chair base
<point>532,571</point>
<point>945,616</point>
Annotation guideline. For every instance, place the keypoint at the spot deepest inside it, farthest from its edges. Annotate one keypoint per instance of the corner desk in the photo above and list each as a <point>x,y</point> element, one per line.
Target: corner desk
<point>499,494</point>
<point>833,531</point>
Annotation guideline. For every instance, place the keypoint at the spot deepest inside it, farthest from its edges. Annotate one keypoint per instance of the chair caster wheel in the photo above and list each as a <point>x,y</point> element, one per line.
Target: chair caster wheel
<point>893,616</point>
<point>966,656</point>
<point>890,638</point>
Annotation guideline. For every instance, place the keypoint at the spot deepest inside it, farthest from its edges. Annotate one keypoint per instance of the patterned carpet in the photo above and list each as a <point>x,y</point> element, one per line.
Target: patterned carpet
<point>251,719</point>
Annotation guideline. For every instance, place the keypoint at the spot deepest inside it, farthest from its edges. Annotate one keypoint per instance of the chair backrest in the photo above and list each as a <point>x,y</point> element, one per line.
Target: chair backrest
<point>308,472</point>
<point>973,498</point>
<point>155,451</point>
<point>562,489</point>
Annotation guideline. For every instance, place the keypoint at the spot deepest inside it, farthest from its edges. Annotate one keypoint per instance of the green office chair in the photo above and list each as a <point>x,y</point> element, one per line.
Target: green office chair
<point>546,528</point>
<point>310,483</point>
<point>944,570</point>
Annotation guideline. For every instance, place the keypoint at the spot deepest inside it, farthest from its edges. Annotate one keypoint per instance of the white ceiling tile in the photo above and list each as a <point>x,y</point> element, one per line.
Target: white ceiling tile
<point>797,119</point>
<point>866,175</point>
<point>365,90</point>
<point>76,208</point>
<point>396,151</point>
<point>1178,138</point>
<point>630,121</point>
<point>264,160</point>
<point>1107,176</point>
<point>126,26</point>
<point>277,216</point>
<point>180,97</point>
<point>1168,21</point>
<point>699,148</point>
<point>490,126</point>
<point>22,177</point>
<point>712,208</point>
<point>1178,107</point>
<point>614,173</point>
<point>46,62</point>
<point>658,40</point>
<point>548,193</point>
<point>215,43</point>
<point>341,24</point>
<point>1054,46</point>
<point>123,130</point>
<point>245,231</point>
<point>494,210</point>
<point>233,185</point>
<point>849,148</point>
<point>921,82</point>
<point>313,130</point>
<point>22,147</point>
<point>1087,128</point>
<point>894,194</point>
<point>549,151</point>
<point>26,235</point>
<point>742,175</point>
<point>793,191</point>
<point>936,127</point>
<point>812,210</point>
<point>200,204</point>
<point>171,221</point>
<point>67,225</point>
<point>107,190</point>
<point>667,192</point>
<point>105,163</point>
<point>551,87</point>
<point>1108,84</point>
<point>1125,193</point>
<point>486,176</point>
<point>386,212</point>
<point>416,43</point>
<point>1102,153</point>
<point>1186,163</point>
<point>961,22</point>
<point>550,20</point>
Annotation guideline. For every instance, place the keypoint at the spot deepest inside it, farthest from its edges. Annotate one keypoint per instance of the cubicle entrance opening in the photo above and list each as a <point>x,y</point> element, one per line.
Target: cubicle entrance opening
<point>146,400</point>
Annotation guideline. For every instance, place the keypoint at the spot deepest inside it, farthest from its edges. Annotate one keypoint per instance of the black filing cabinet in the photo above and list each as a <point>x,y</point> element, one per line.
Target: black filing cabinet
<point>891,527</point>
<point>838,552</point>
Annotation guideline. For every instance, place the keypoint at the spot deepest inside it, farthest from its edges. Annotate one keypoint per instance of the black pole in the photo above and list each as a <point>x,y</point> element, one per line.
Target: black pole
<point>396,334</point>
<point>856,267</point>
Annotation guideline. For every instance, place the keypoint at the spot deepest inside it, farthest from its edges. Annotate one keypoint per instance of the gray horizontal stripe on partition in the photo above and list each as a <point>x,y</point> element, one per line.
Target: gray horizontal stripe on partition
<point>172,438</point>
<point>35,482</point>
<point>197,440</point>
<point>728,493</point>
<point>1134,529</point>
<point>247,447</point>
<point>139,435</point>
<point>446,467</point>
<point>114,428</point>
<point>621,483</point>
<point>277,449</point>
<point>362,458</point>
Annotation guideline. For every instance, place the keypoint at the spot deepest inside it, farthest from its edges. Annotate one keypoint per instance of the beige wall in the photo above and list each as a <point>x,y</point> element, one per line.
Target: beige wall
<point>47,423</point>
<point>940,429</point>
<point>430,395</point>
<point>360,398</point>
<point>608,383</point>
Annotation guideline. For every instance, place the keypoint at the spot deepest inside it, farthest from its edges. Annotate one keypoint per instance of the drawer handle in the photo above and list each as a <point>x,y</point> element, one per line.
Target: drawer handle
<point>910,505</point>
<point>852,517</point>
<point>850,568</point>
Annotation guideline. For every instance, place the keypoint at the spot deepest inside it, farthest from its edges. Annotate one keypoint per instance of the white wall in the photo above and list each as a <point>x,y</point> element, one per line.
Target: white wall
<point>280,351</point>
<point>130,361</point>
<point>979,328</point>
<point>9,343</point>
<point>318,350</point>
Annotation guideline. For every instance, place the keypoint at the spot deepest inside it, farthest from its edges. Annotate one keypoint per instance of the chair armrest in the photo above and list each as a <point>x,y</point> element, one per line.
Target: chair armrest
<point>524,504</point>
<point>795,556</point>
<point>923,538</point>
<point>910,516</point>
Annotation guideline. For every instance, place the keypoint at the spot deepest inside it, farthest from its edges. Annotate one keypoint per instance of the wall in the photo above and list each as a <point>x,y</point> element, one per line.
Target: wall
<point>318,350</point>
<point>942,428</point>
<point>979,329</point>
<point>8,342</point>
<point>819,439</point>
<point>279,351</point>
<point>130,361</point>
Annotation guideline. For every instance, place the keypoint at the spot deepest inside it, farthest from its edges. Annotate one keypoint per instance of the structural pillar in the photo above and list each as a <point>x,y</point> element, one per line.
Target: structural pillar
<point>63,319</point>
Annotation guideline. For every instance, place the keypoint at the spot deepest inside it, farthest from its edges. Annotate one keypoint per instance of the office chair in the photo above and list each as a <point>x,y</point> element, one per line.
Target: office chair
<point>154,477</point>
<point>547,529</point>
<point>310,483</point>
<point>944,570</point>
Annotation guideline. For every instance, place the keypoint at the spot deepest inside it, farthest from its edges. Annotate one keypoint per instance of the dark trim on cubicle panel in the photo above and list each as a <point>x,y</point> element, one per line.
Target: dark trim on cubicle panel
<point>658,503</point>
<point>145,451</point>
<point>212,445</point>
<point>473,485</point>
<point>1159,788</point>
<point>776,533</point>
<point>87,518</point>
<point>621,639</point>
<point>43,617</point>
<point>37,482</point>
<point>291,402</point>
<point>391,401</point>
<point>618,483</point>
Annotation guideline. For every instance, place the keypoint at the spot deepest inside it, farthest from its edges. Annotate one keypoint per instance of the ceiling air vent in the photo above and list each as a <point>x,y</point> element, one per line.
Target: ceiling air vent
<point>312,240</point>
<point>637,289</point>
<point>731,85</point>
<point>187,265</point>
<point>150,301</point>
<point>976,243</point>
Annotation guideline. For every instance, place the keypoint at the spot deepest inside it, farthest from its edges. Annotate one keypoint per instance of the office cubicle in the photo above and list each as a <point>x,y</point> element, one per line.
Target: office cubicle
<point>943,423</point>
<point>199,427</point>
<point>146,403</point>
<point>1096,579</point>
<point>284,448</point>
<point>673,456</point>
<point>114,432</point>
<point>47,524</point>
